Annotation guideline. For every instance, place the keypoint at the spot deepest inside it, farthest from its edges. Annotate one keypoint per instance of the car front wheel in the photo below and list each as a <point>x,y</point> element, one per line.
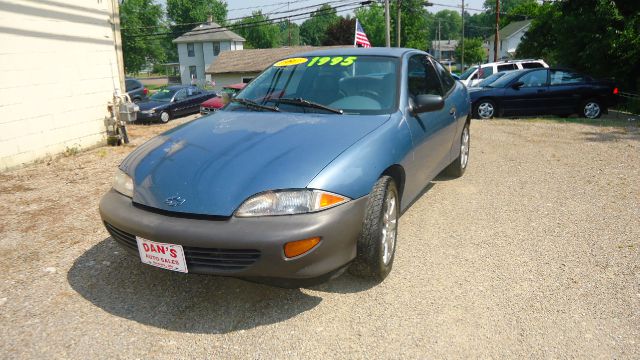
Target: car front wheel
<point>485,109</point>
<point>165,117</point>
<point>377,243</point>
<point>592,109</point>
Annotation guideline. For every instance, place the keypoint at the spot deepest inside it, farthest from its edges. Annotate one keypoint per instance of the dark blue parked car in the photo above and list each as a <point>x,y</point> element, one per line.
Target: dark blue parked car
<point>306,171</point>
<point>543,92</point>
<point>173,101</point>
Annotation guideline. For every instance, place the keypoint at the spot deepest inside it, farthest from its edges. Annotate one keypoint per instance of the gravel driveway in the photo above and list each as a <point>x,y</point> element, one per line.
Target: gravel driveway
<point>535,252</point>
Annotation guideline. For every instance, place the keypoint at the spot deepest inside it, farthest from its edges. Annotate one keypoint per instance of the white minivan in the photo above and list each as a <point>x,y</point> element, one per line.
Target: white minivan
<point>477,73</point>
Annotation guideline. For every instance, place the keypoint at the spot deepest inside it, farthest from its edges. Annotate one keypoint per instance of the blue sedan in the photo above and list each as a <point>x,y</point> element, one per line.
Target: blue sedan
<point>303,174</point>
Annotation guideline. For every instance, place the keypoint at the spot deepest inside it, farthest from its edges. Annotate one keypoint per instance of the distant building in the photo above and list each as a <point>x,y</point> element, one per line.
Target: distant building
<point>201,46</point>
<point>444,50</point>
<point>242,66</point>
<point>60,67</point>
<point>509,38</point>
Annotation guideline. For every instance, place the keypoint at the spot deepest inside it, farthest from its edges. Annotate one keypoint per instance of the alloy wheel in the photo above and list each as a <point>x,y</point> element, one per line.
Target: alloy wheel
<point>389,226</point>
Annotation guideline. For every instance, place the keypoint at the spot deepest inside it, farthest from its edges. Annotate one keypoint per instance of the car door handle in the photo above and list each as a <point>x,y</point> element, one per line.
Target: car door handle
<point>452,111</point>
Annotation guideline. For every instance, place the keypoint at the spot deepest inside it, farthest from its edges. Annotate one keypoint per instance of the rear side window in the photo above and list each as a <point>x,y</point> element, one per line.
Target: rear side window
<point>531,65</point>
<point>534,79</point>
<point>560,77</point>
<point>485,72</point>
<point>131,85</point>
<point>507,67</point>
<point>448,82</point>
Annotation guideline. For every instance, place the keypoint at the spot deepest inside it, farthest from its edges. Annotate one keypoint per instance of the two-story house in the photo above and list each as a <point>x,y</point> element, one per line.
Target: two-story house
<point>509,38</point>
<point>200,46</point>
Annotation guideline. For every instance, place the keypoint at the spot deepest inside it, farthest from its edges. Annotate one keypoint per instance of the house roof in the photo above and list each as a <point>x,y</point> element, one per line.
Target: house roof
<point>207,32</point>
<point>445,45</point>
<point>513,27</point>
<point>255,60</point>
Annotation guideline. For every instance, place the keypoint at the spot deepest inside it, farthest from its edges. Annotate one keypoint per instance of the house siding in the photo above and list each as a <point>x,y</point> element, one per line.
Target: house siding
<point>58,69</point>
<point>511,42</point>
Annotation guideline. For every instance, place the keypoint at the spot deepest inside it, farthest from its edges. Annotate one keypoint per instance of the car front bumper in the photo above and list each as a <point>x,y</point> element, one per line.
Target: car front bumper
<point>338,227</point>
<point>148,116</point>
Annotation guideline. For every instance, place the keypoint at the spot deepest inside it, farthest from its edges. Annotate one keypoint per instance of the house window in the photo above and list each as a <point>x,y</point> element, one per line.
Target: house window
<point>246,80</point>
<point>193,74</point>
<point>190,50</point>
<point>216,48</point>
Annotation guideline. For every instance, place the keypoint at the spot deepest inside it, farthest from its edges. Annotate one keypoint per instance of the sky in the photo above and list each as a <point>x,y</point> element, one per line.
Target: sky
<point>238,8</point>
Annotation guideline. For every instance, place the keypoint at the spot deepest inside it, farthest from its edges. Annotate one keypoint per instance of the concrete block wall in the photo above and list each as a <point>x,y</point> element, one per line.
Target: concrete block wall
<point>58,68</point>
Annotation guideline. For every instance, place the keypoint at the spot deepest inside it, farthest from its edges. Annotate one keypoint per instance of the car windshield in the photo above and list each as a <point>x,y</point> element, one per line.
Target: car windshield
<point>163,94</point>
<point>465,75</point>
<point>325,84</point>
<point>506,79</point>
<point>488,81</point>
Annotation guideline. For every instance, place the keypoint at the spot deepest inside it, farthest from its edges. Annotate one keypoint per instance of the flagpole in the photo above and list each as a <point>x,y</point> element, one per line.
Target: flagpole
<point>355,33</point>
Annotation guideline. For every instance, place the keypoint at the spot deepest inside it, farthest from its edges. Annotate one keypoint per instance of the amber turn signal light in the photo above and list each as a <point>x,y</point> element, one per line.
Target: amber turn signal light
<point>299,247</point>
<point>330,200</point>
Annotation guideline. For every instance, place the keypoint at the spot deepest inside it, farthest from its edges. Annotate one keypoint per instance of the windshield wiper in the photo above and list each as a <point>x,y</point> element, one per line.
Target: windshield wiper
<point>255,105</point>
<point>307,103</point>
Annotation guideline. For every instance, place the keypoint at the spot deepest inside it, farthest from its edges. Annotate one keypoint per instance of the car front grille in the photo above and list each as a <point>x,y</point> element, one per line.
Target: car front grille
<point>197,258</point>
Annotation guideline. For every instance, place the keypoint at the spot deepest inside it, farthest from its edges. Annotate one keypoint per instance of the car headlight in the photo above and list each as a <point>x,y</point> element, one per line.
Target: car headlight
<point>289,202</point>
<point>152,111</point>
<point>123,183</point>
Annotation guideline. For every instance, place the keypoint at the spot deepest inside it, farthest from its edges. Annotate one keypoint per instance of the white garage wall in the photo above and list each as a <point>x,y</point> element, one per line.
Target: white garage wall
<point>58,68</point>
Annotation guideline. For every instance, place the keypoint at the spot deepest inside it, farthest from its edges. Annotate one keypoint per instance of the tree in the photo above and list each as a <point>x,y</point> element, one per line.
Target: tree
<point>259,32</point>
<point>313,30</point>
<point>479,25</point>
<point>473,51</point>
<point>287,28</point>
<point>341,32</point>
<point>372,20</point>
<point>415,28</point>
<point>604,41</point>
<point>186,13</point>
<point>138,18</point>
<point>450,24</point>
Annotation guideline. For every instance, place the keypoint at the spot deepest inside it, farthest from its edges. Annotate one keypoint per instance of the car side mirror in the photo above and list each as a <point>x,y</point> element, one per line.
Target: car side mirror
<point>517,85</point>
<point>426,103</point>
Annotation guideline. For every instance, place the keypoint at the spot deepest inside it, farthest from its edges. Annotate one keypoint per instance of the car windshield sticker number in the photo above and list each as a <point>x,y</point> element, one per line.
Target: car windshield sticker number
<point>291,62</point>
<point>332,61</point>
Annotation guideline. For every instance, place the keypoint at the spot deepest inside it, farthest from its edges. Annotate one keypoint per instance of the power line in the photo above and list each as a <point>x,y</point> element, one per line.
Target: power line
<point>279,20</point>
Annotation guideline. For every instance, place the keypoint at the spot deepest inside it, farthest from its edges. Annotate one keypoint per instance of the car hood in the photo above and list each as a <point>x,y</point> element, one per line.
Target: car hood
<point>150,104</point>
<point>212,165</point>
<point>215,102</point>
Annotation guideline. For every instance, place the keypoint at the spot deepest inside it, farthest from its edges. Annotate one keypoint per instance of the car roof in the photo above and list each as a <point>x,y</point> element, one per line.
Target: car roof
<point>178,87</point>
<point>374,51</point>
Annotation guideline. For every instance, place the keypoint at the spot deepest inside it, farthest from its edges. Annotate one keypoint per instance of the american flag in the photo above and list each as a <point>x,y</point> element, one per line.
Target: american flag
<point>361,37</point>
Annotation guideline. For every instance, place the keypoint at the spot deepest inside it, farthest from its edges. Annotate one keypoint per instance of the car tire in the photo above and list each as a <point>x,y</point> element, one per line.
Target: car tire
<point>591,109</point>
<point>165,117</point>
<point>136,100</point>
<point>485,109</point>
<point>459,165</point>
<point>377,244</point>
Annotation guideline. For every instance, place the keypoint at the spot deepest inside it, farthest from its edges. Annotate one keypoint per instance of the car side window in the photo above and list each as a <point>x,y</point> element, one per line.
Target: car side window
<point>561,77</point>
<point>534,79</point>
<point>531,65</point>
<point>422,77</point>
<point>181,95</point>
<point>485,72</point>
<point>507,67</point>
<point>448,82</point>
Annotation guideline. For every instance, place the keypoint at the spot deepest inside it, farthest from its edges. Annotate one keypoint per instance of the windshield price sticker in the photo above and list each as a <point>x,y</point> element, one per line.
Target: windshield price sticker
<point>332,61</point>
<point>291,62</point>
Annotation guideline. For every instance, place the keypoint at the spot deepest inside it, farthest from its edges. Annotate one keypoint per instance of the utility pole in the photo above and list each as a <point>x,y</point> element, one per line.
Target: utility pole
<point>462,54</point>
<point>398,22</point>
<point>289,25</point>
<point>387,21</point>
<point>497,36</point>
<point>439,42</point>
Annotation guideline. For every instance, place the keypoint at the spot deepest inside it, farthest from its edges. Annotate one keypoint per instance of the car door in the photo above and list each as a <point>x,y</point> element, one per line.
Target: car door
<point>429,129</point>
<point>528,99</point>
<point>454,106</point>
<point>194,96</point>
<point>566,89</point>
<point>180,102</point>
